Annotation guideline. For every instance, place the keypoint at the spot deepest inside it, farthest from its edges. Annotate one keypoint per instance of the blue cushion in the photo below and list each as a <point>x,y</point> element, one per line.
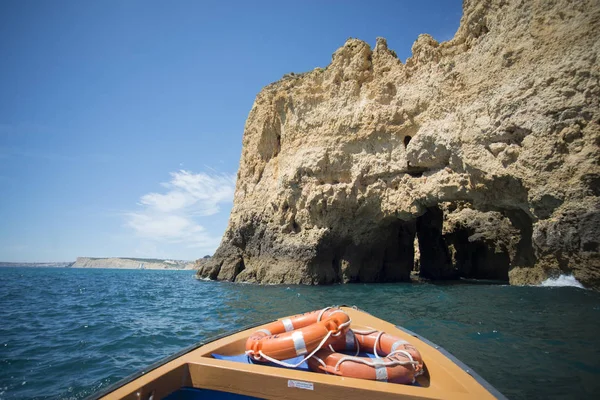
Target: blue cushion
<point>243,358</point>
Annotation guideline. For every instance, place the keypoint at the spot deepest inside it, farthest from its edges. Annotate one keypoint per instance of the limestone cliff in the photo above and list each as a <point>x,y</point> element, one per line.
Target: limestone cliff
<point>485,148</point>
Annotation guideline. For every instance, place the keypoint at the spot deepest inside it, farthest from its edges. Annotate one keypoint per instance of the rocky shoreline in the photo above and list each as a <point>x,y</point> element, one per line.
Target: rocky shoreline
<point>477,158</point>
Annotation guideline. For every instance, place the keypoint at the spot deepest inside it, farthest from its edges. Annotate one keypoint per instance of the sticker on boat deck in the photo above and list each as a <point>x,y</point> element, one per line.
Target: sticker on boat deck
<point>301,385</point>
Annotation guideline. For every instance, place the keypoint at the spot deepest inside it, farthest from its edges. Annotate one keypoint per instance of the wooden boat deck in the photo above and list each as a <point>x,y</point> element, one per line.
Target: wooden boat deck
<point>445,376</point>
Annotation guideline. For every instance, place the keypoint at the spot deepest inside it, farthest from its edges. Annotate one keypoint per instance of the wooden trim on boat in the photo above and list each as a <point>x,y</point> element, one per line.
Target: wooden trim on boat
<point>446,377</point>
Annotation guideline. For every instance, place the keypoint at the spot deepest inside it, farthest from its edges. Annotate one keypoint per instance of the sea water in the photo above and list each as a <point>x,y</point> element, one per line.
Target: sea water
<point>68,333</point>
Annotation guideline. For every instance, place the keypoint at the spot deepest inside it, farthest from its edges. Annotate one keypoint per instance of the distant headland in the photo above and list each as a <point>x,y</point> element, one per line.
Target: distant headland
<point>57,264</point>
<point>110,262</point>
<point>131,263</point>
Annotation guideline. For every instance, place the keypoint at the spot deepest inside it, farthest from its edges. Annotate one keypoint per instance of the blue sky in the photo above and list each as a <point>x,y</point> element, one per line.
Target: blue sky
<point>121,121</point>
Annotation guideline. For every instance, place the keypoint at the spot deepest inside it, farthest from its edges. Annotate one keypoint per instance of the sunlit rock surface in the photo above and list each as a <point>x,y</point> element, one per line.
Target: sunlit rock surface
<point>485,148</point>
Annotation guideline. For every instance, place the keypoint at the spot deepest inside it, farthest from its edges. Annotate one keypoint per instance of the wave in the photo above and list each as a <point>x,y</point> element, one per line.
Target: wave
<point>562,280</point>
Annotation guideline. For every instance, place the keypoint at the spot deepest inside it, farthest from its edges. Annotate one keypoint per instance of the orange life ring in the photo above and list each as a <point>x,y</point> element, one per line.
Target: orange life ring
<point>398,361</point>
<point>298,335</point>
<point>378,343</point>
<point>397,368</point>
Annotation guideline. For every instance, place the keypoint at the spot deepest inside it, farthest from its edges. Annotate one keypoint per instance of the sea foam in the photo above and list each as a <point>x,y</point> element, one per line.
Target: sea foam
<point>562,280</point>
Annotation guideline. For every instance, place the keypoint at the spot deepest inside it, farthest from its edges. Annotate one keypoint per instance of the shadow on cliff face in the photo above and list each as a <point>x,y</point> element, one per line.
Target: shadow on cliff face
<point>453,241</point>
<point>383,254</point>
<point>461,242</point>
<point>435,262</point>
<point>572,237</point>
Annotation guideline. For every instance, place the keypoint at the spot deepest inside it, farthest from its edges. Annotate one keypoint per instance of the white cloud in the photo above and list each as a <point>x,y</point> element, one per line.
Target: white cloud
<point>171,217</point>
<point>169,202</point>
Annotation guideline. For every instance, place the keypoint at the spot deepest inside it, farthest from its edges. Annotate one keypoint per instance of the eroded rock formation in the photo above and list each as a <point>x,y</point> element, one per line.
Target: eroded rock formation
<point>485,148</point>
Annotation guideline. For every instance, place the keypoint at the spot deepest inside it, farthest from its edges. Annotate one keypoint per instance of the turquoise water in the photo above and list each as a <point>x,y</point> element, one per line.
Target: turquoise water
<point>67,333</point>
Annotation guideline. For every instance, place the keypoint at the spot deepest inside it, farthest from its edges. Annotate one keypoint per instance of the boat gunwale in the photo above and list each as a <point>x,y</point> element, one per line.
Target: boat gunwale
<point>453,359</point>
